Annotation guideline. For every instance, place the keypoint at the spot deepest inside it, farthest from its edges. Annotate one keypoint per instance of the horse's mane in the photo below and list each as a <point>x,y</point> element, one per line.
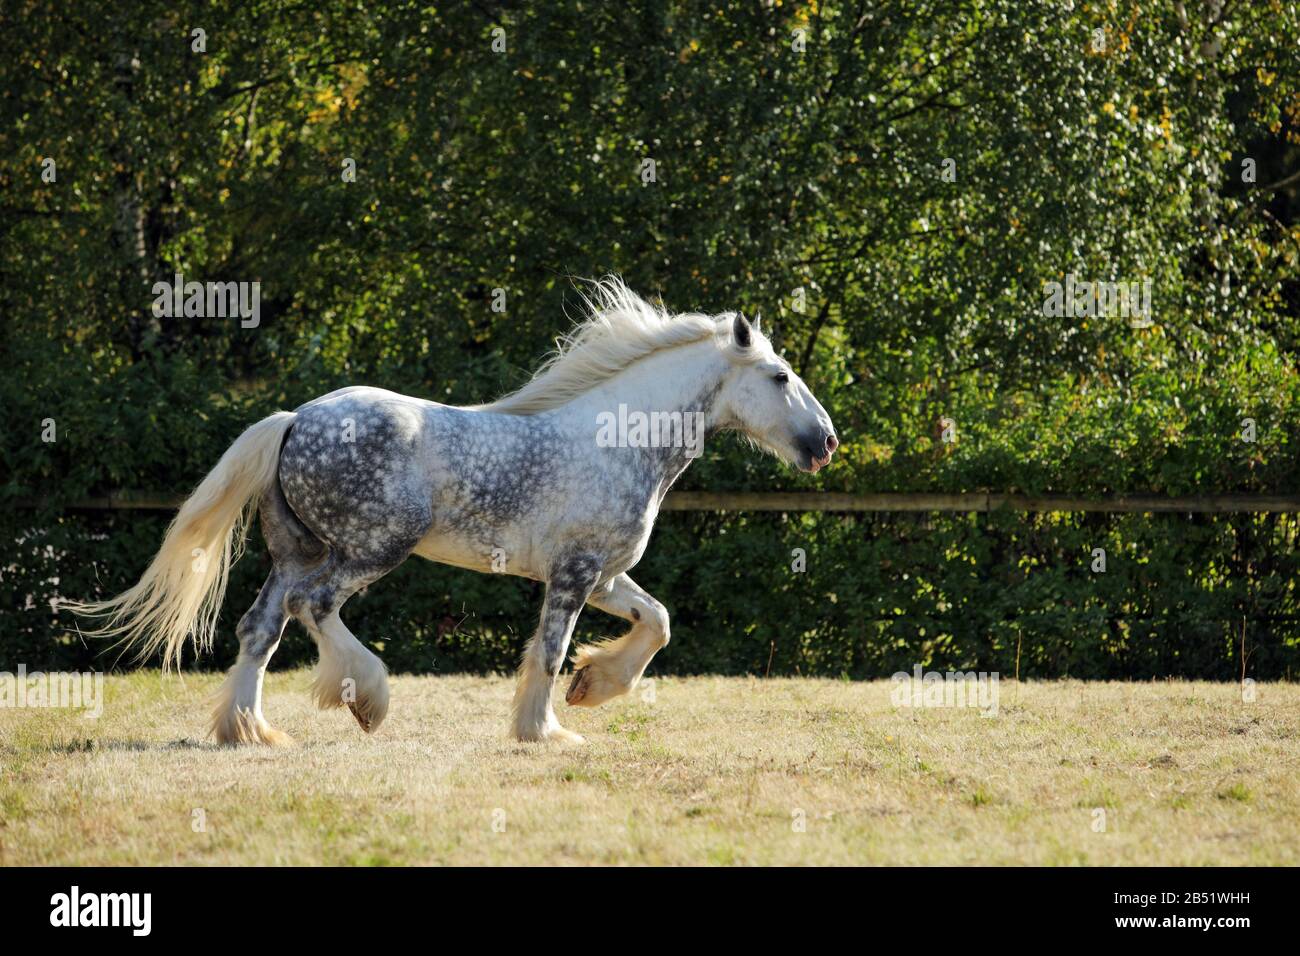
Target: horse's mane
<point>620,328</point>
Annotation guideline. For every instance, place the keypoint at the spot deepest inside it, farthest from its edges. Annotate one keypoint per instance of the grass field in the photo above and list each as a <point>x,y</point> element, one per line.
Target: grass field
<point>711,771</point>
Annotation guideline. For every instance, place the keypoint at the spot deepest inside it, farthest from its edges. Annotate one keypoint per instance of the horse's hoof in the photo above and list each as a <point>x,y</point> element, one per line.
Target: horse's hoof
<point>579,686</point>
<point>565,736</point>
<point>551,732</point>
<point>276,738</point>
<point>362,719</point>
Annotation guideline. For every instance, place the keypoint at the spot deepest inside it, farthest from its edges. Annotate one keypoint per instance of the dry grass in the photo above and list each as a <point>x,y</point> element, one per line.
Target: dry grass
<point>713,771</point>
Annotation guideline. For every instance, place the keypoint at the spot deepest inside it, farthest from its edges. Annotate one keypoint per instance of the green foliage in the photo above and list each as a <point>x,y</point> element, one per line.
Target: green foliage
<point>804,184</point>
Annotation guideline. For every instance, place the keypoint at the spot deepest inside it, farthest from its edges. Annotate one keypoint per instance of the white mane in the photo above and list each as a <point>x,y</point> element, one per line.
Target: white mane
<point>620,328</point>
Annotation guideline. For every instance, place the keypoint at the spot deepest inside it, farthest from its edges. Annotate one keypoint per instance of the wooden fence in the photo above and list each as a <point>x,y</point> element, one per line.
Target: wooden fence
<point>840,502</point>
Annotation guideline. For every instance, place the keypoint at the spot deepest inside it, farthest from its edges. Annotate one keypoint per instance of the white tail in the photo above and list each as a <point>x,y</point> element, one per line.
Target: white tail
<point>180,593</point>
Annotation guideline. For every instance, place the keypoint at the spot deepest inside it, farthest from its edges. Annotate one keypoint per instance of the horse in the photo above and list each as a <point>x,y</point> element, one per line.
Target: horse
<point>534,484</point>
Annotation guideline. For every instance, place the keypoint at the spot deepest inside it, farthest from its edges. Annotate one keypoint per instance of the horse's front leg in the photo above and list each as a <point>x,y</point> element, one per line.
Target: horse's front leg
<point>610,668</point>
<point>570,583</point>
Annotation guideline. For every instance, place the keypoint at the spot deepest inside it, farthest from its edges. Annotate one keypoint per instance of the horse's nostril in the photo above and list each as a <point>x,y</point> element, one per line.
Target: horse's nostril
<point>832,443</point>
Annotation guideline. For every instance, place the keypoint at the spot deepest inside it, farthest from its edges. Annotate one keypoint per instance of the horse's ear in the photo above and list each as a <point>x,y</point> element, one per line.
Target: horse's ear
<point>741,332</point>
<point>758,323</point>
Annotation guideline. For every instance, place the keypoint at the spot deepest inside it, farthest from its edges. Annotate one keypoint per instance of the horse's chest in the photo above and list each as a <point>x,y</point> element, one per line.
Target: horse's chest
<point>626,553</point>
<point>619,536</point>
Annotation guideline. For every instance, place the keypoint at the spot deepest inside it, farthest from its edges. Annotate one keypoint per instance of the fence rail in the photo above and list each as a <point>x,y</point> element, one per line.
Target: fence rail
<point>979,501</point>
<point>839,502</point>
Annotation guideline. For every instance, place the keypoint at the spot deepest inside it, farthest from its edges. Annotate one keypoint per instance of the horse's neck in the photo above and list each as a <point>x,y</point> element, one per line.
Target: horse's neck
<point>682,379</point>
<point>685,380</point>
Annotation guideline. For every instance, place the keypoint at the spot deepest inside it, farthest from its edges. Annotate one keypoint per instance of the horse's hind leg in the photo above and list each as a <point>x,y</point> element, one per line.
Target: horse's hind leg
<point>348,672</point>
<point>237,714</point>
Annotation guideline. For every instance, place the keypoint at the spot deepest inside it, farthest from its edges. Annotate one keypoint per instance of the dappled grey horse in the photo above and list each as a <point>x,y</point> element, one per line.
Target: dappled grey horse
<point>560,481</point>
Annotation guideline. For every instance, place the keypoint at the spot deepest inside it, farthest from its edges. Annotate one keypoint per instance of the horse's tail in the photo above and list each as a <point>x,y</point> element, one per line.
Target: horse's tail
<point>180,593</point>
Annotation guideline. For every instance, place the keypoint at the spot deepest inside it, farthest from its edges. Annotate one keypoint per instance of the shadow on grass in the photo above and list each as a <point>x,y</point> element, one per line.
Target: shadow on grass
<point>88,745</point>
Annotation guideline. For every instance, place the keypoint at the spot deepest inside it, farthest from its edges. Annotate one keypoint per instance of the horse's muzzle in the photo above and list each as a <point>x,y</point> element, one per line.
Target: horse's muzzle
<point>817,452</point>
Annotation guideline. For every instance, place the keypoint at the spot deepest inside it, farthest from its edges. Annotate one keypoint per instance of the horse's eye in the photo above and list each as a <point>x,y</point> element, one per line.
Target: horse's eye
<point>780,378</point>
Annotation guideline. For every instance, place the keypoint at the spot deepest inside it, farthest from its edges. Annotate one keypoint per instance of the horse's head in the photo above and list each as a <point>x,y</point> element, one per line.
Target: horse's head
<point>763,398</point>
